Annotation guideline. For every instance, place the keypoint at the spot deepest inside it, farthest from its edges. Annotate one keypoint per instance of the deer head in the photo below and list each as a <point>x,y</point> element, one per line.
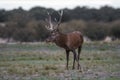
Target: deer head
<point>53,27</point>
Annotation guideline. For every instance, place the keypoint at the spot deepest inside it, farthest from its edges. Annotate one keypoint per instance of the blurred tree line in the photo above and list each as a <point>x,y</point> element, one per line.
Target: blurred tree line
<point>24,26</point>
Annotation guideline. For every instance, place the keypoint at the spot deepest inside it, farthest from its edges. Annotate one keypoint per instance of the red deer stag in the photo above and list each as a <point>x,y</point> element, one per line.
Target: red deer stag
<point>70,41</point>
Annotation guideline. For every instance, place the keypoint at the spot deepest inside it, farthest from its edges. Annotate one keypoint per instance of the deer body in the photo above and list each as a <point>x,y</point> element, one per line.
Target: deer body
<point>70,41</point>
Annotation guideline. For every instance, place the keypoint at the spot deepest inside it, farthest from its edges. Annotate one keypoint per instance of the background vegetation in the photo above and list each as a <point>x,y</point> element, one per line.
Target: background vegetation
<point>26,26</point>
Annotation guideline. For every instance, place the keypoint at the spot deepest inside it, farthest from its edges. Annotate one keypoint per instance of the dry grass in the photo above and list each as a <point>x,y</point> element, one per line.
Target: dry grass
<point>99,61</point>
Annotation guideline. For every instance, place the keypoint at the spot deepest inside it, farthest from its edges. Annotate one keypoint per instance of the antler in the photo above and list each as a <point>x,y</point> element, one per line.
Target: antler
<point>50,26</point>
<point>60,13</point>
<point>49,20</point>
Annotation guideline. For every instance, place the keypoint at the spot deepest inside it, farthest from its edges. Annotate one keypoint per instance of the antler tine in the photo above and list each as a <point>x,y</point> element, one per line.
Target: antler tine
<point>55,19</point>
<point>48,13</point>
<point>46,26</point>
<point>50,27</point>
<point>60,13</point>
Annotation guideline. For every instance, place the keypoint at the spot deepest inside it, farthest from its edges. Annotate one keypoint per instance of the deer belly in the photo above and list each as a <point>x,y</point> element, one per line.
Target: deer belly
<point>73,46</point>
<point>62,45</point>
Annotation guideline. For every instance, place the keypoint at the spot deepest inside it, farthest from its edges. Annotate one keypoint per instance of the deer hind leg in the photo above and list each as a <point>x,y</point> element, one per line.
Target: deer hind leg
<point>75,58</point>
<point>79,51</point>
<point>67,58</point>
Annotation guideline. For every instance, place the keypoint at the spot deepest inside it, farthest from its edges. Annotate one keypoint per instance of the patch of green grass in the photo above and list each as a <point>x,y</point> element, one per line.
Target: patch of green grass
<point>113,78</point>
<point>45,78</point>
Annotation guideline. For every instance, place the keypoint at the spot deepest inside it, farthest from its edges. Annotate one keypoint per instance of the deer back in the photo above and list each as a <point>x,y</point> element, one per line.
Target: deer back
<point>74,40</point>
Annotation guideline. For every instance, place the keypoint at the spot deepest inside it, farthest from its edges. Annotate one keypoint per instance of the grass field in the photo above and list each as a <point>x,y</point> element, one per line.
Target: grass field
<point>41,61</point>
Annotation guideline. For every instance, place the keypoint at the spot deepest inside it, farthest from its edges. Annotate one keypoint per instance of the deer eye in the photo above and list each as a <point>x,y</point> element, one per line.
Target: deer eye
<point>52,33</point>
<point>56,30</point>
